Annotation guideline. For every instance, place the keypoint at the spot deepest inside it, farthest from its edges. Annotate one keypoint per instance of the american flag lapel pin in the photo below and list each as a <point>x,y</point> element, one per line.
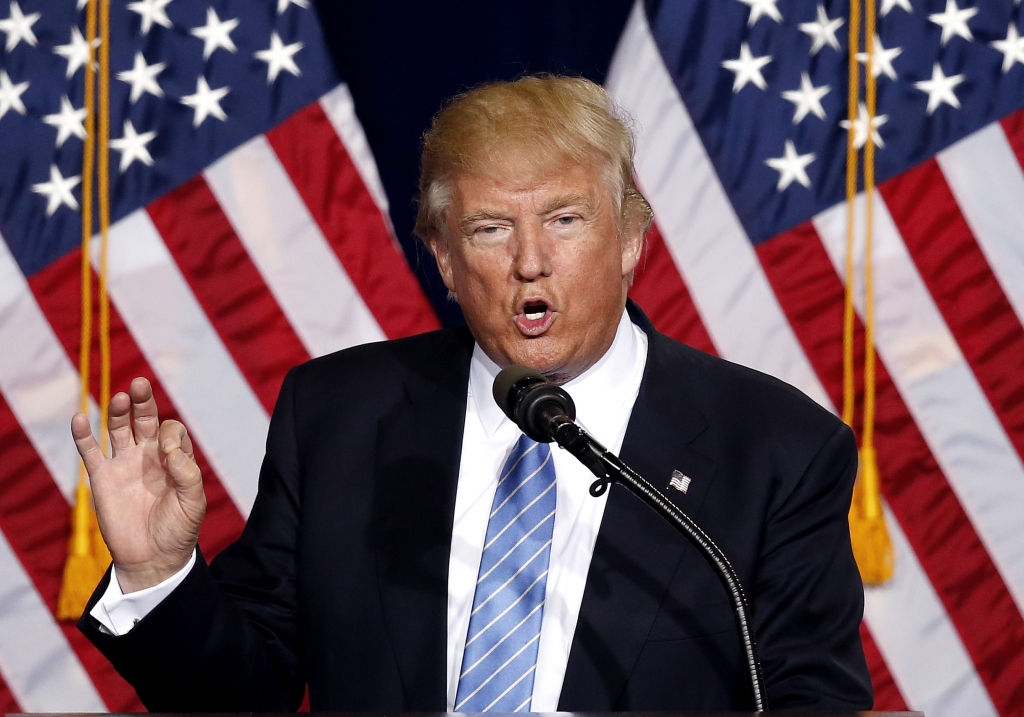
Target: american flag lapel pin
<point>679,481</point>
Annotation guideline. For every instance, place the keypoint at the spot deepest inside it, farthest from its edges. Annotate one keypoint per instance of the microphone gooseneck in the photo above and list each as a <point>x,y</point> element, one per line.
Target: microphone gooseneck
<point>545,413</point>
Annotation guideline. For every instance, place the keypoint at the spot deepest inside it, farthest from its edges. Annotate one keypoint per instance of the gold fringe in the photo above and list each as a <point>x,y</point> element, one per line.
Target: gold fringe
<point>86,563</point>
<point>88,556</point>
<point>871,544</point>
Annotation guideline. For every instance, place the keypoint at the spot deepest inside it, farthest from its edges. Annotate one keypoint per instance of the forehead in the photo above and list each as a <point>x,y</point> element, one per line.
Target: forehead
<point>531,187</point>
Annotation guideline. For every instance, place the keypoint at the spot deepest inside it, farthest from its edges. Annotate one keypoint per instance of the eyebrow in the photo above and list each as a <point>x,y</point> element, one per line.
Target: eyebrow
<point>564,201</point>
<point>555,204</point>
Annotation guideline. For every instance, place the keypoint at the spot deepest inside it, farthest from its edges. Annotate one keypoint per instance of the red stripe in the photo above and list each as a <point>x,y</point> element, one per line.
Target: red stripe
<point>659,289</point>
<point>888,697</point>
<point>56,289</point>
<point>1013,126</point>
<point>229,287</point>
<point>331,187</point>
<point>35,518</point>
<point>964,288</point>
<point>8,705</point>
<point>967,582</point>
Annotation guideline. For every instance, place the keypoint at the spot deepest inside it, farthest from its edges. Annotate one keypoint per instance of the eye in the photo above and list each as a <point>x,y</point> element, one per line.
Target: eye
<point>567,220</point>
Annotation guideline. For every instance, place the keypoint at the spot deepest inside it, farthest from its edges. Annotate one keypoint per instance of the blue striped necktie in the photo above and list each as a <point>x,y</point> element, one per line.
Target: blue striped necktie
<point>504,628</point>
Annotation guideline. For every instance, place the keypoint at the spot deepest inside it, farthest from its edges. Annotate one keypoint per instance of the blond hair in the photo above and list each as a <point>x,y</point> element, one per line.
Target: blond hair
<point>536,119</point>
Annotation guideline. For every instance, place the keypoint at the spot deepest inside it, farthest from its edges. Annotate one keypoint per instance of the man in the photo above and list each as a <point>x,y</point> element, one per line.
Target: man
<point>409,549</point>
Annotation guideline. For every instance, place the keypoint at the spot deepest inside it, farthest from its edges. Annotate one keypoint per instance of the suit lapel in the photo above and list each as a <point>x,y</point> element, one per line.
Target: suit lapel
<point>637,553</point>
<point>418,450</point>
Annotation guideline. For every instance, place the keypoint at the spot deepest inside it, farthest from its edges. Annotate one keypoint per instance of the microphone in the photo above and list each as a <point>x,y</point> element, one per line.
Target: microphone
<point>546,413</point>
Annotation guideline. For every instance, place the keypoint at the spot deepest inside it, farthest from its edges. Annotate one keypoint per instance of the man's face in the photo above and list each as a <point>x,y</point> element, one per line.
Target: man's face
<point>539,266</point>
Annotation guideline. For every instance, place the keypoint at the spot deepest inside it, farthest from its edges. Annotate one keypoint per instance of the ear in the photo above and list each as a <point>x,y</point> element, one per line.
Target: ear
<point>632,248</point>
<point>441,249</point>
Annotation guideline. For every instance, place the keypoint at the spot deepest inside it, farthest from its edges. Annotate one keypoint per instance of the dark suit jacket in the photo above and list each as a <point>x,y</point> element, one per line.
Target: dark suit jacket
<point>340,577</point>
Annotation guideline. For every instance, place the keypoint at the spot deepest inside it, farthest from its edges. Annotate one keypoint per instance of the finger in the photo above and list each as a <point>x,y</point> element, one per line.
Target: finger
<point>186,446</point>
<point>86,443</point>
<point>183,470</point>
<point>176,447</point>
<point>145,419</point>
<point>119,422</point>
<point>172,437</point>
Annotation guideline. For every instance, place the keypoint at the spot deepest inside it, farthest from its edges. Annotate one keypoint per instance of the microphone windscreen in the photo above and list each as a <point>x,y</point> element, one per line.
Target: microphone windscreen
<point>505,380</point>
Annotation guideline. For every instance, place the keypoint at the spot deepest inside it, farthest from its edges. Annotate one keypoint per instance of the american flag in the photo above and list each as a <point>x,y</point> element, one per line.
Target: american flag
<point>251,232</point>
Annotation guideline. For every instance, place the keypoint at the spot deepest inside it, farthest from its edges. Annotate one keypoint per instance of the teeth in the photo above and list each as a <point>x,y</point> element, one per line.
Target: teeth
<point>533,316</point>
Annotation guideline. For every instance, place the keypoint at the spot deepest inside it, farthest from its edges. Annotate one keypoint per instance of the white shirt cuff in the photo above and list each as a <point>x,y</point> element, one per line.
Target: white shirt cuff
<point>118,612</point>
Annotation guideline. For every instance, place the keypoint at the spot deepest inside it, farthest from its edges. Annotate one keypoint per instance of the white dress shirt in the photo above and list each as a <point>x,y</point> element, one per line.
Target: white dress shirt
<point>604,396</point>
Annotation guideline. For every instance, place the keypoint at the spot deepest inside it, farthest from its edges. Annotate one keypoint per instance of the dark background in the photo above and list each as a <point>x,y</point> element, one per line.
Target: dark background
<point>402,60</point>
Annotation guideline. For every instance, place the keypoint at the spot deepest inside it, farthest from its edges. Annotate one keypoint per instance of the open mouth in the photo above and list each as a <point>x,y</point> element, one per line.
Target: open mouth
<point>535,317</point>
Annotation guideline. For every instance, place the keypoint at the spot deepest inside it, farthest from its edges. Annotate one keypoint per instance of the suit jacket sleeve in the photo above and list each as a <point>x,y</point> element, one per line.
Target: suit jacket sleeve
<point>807,591</point>
<point>227,638</point>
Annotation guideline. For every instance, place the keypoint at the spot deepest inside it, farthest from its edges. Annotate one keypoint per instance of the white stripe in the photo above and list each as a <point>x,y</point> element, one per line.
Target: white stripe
<point>988,184</point>
<point>940,391</point>
<point>518,461</point>
<point>514,576</point>
<point>518,515</point>
<point>520,486</point>
<point>700,227</point>
<point>216,403</point>
<point>525,702</point>
<point>921,648</point>
<point>37,663</point>
<point>505,637</point>
<point>511,550</point>
<point>341,111</point>
<point>498,671</point>
<point>286,245</point>
<point>38,381</point>
<point>510,687</point>
<point>504,612</point>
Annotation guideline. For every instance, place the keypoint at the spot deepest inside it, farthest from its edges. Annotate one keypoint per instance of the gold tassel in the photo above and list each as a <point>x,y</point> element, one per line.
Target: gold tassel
<point>872,547</point>
<point>88,556</point>
<point>871,544</point>
<point>85,564</point>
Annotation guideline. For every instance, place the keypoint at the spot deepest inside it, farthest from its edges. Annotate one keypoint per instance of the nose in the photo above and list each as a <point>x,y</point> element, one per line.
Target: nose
<point>531,258</point>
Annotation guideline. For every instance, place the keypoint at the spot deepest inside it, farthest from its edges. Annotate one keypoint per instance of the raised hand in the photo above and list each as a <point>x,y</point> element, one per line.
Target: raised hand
<point>149,493</point>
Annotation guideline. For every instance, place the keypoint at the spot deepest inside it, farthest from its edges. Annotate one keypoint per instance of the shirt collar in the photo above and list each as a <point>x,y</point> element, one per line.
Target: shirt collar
<point>594,391</point>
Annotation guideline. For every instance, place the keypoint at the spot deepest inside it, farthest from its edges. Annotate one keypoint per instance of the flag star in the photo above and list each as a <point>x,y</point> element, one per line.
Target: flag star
<point>215,33</point>
<point>881,58</point>
<point>762,7</point>
<point>822,31</point>
<point>807,99</point>
<point>10,94</point>
<point>18,26</point>
<point>860,127</point>
<point>279,57</point>
<point>132,146</point>
<point>206,102</point>
<point>76,52</point>
<point>747,68</point>
<point>940,89</point>
<point>1012,48</point>
<point>953,21</point>
<point>888,5</point>
<point>142,78</point>
<point>68,121</point>
<point>57,191</point>
<point>151,11</point>
<point>282,5</point>
<point>792,167</point>
<point>81,4</point>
